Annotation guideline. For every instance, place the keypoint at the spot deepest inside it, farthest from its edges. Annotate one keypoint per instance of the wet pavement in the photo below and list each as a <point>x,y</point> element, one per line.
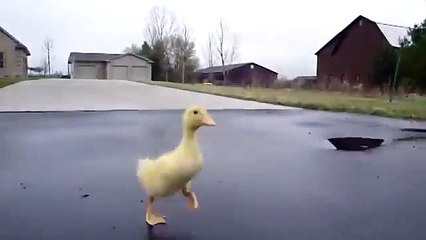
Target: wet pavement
<point>267,175</point>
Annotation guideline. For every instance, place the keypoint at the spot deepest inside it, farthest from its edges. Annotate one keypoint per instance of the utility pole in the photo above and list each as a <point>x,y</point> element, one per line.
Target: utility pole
<point>391,92</point>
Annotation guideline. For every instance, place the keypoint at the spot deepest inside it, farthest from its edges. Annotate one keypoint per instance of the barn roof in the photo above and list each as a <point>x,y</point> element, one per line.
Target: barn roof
<point>392,33</point>
<point>19,45</point>
<point>99,57</point>
<point>229,67</point>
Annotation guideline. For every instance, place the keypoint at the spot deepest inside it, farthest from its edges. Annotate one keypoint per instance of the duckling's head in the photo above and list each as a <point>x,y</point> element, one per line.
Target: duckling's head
<point>197,116</point>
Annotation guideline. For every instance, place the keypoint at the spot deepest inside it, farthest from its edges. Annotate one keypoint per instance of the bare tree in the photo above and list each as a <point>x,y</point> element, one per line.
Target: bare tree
<point>48,47</point>
<point>184,47</point>
<point>134,48</point>
<point>182,54</point>
<point>210,54</point>
<point>160,24</point>
<point>226,46</point>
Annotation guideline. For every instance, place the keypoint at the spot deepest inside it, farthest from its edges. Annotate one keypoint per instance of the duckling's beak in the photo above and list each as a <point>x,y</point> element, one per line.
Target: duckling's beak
<point>208,120</point>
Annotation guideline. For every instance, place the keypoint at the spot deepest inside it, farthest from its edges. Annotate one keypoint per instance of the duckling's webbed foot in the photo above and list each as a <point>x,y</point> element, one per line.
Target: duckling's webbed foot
<point>192,198</point>
<point>152,216</point>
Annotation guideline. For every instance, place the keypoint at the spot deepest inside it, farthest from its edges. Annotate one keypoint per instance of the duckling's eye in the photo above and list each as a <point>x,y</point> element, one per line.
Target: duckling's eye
<point>195,112</point>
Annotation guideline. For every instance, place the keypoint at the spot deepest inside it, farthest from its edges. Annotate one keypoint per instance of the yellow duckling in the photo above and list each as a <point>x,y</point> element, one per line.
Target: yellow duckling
<point>173,171</point>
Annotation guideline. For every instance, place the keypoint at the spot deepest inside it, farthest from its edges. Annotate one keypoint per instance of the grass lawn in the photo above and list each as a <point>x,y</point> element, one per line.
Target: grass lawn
<point>7,81</point>
<point>413,107</point>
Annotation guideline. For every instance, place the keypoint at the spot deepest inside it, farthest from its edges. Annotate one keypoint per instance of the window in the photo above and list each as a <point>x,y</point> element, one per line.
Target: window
<point>342,78</point>
<point>357,78</point>
<point>360,22</point>
<point>1,60</point>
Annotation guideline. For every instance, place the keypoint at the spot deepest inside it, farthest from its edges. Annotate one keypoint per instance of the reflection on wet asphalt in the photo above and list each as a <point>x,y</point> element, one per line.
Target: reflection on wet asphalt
<point>266,176</point>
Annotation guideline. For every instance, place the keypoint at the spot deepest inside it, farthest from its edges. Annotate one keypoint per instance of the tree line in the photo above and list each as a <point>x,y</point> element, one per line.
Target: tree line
<point>403,67</point>
<point>171,46</point>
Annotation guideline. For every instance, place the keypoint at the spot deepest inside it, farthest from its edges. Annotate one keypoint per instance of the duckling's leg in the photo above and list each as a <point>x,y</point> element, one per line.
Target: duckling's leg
<point>192,198</point>
<point>152,216</point>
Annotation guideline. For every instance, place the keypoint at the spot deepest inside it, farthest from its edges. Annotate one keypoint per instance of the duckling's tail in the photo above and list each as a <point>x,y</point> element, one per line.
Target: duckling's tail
<point>141,165</point>
<point>146,173</point>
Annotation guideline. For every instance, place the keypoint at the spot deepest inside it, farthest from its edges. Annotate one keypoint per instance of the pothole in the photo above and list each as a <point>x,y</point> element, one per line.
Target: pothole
<point>355,143</point>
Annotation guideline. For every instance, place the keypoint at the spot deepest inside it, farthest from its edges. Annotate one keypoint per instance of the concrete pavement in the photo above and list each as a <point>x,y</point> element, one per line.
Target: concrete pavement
<point>101,95</point>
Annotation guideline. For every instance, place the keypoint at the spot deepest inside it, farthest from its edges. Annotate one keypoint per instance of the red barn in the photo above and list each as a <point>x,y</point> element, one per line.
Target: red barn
<point>349,56</point>
<point>241,74</point>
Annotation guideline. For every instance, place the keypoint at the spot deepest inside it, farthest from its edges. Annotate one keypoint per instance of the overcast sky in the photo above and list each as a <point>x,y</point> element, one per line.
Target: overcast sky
<point>281,35</point>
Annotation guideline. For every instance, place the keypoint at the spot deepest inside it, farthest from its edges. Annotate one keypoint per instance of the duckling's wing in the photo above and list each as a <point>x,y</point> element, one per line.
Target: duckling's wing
<point>152,174</point>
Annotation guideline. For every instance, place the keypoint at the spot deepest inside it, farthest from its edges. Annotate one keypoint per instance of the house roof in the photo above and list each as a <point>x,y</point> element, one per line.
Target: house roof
<point>214,69</point>
<point>392,33</point>
<point>304,78</point>
<point>132,54</point>
<point>19,45</point>
<point>225,68</point>
<point>100,57</point>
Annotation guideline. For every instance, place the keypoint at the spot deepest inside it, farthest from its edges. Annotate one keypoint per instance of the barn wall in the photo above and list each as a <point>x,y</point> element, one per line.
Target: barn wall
<point>258,75</point>
<point>243,76</point>
<point>354,59</point>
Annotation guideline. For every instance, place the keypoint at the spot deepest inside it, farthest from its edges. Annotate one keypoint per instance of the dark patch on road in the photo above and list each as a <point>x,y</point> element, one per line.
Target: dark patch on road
<point>355,143</point>
<point>314,124</point>
<point>264,177</point>
<point>411,138</point>
<point>85,195</point>
<point>418,130</point>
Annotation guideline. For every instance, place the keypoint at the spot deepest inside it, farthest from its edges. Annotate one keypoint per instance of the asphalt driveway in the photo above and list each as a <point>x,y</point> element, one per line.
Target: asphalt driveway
<point>267,175</point>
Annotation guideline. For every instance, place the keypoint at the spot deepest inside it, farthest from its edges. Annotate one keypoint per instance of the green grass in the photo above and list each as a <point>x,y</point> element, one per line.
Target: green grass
<point>413,107</point>
<point>7,81</point>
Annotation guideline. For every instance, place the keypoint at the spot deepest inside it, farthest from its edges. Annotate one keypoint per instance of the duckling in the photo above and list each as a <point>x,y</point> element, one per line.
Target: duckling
<point>174,170</point>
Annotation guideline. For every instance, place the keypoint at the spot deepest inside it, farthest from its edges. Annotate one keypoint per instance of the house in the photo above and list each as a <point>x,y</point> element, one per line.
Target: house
<point>349,56</point>
<point>13,56</point>
<point>242,74</point>
<point>304,82</point>
<point>125,66</point>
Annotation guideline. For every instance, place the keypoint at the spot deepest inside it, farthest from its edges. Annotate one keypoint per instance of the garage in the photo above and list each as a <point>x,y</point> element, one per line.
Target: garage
<point>86,71</point>
<point>118,72</point>
<point>131,67</point>
<point>126,66</point>
<point>138,73</point>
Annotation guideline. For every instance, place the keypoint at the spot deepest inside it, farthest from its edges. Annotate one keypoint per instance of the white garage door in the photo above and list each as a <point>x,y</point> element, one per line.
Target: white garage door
<point>119,72</point>
<point>86,72</point>
<point>138,73</point>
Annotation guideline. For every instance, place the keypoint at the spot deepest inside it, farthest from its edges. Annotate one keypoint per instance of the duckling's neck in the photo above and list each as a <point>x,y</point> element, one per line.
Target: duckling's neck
<point>189,135</point>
